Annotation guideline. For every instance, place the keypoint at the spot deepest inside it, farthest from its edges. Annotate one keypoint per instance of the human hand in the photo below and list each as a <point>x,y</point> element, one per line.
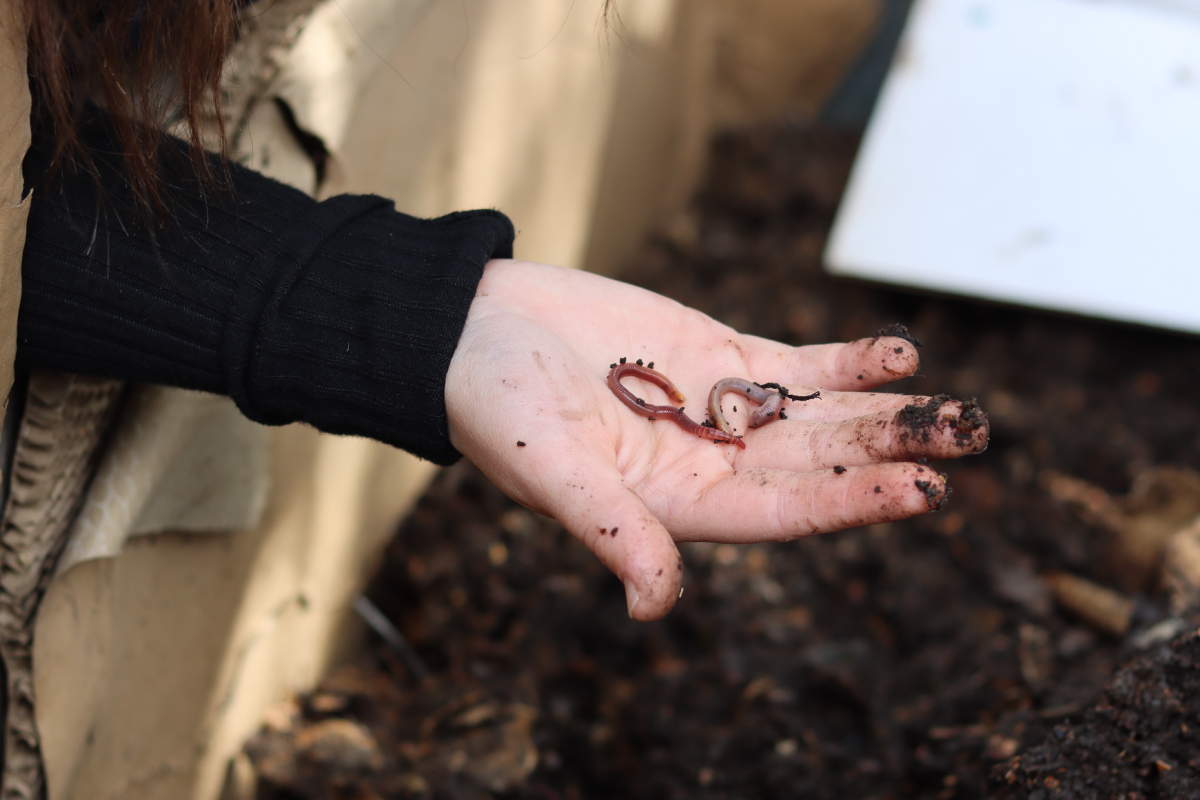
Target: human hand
<point>528,403</point>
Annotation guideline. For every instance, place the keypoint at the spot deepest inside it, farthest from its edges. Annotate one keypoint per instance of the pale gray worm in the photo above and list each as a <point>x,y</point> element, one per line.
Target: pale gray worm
<point>770,399</point>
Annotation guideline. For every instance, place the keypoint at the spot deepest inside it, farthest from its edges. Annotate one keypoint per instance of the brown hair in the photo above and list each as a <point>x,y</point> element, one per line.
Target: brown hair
<point>148,62</point>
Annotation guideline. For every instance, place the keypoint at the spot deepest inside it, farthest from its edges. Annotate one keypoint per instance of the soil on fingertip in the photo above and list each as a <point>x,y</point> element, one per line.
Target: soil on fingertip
<point>898,331</point>
<point>935,496</point>
<point>919,659</point>
<point>921,419</point>
<point>971,420</point>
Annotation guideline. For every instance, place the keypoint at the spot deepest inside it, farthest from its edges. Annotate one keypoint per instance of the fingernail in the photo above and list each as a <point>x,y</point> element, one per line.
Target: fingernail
<point>631,596</point>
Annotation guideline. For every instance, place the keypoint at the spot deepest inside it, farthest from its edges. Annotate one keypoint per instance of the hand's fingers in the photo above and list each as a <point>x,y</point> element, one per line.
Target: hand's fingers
<point>854,366</point>
<point>596,506</point>
<point>933,430</point>
<point>758,505</point>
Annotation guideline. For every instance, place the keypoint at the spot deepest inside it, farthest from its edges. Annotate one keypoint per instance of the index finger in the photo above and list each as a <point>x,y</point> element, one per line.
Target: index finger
<point>853,366</point>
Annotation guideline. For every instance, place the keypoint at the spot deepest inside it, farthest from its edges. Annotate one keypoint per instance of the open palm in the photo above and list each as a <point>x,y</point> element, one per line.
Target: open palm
<point>528,403</point>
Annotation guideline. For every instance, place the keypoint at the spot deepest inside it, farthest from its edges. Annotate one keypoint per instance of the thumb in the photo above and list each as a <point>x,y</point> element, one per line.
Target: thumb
<point>613,522</point>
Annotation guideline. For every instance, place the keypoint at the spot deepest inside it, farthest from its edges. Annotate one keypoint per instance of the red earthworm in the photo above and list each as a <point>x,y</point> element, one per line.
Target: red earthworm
<point>639,405</point>
<point>768,410</point>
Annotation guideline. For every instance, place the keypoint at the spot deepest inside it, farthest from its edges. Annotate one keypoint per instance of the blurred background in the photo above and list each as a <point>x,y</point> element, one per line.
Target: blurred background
<point>1033,640</point>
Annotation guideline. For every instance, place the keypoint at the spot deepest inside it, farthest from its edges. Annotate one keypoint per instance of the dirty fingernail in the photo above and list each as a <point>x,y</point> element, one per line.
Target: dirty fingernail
<point>937,492</point>
<point>631,596</point>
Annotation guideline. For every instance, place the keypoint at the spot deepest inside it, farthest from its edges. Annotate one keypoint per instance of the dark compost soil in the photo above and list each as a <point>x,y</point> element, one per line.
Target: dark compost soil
<point>918,659</point>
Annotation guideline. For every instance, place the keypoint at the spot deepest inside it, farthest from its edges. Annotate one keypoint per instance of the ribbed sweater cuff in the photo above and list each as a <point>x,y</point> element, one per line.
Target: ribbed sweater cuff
<point>326,327</point>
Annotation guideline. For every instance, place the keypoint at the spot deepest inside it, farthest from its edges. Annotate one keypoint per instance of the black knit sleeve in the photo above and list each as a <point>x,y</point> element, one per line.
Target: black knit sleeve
<point>342,314</point>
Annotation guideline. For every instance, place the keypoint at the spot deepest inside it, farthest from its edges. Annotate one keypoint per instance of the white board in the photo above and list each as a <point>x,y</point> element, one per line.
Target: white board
<point>1039,152</point>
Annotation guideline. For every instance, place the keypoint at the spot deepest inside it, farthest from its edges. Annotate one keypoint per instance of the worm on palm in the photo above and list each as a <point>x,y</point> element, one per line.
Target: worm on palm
<point>770,402</point>
<point>619,371</point>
